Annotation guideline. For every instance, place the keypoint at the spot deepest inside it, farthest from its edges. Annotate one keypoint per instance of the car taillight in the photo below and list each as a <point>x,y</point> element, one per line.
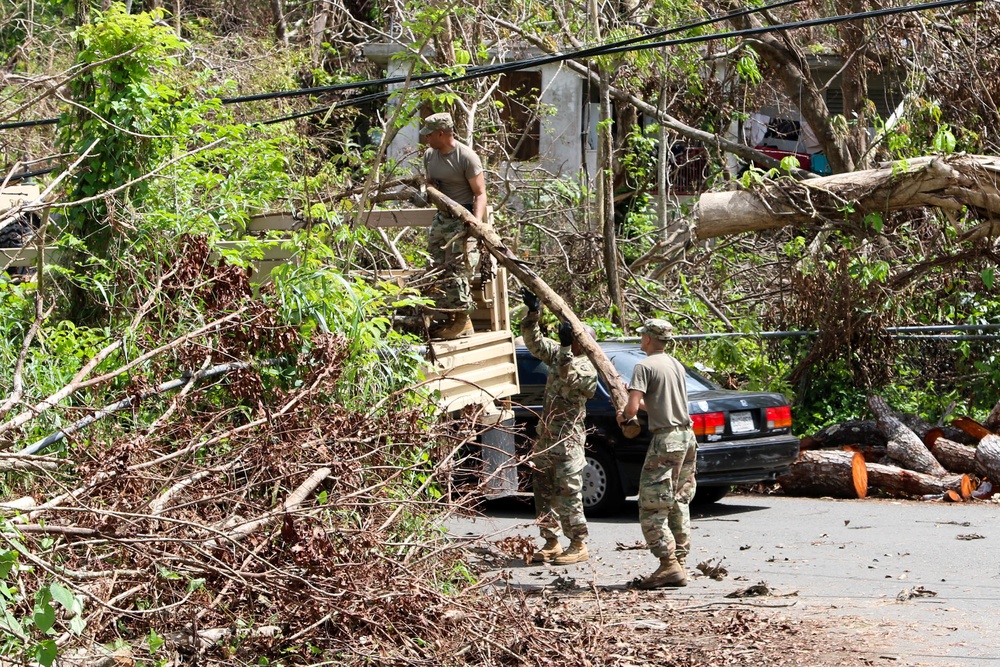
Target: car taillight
<point>709,423</point>
<point>779,417</point>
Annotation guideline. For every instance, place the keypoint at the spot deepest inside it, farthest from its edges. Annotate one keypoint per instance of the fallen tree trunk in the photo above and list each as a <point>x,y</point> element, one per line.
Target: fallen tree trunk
<point>904,446</point>
<point>988,456</point>
<point>992,421</point>
<point>971,427</point>
<point>826,473</point>
<point>908,482</point>
<point>954,456</point>
<point>854,432</point>
<point>872,453</point>
<point>949,182</point>
<point>921,427</point>
<point>496,247</point>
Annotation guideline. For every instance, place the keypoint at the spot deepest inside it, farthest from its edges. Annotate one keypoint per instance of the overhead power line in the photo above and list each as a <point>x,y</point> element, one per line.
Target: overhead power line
<point>471,72</point>
<point>632,44</point>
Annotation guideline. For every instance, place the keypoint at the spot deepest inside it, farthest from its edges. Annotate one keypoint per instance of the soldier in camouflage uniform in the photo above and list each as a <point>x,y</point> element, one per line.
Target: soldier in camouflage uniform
<point>666,484</point>
<point>456,170</point>
<point>558,452</point>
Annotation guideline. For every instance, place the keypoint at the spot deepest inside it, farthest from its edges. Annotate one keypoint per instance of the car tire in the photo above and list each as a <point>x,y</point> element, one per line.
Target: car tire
<point>602,487</point>
<point>706,495</point>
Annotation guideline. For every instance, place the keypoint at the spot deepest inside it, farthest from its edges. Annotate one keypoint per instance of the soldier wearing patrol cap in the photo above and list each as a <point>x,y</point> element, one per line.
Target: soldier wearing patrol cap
<point>666,484</point>
<point>454,169</point>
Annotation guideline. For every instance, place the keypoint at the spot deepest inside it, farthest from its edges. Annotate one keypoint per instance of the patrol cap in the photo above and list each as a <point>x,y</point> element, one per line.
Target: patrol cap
<point>437,121</point>
<point>657,329</point>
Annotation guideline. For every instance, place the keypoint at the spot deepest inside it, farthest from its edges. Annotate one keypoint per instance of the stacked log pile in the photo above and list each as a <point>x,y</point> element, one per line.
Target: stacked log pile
<point>899,455</point>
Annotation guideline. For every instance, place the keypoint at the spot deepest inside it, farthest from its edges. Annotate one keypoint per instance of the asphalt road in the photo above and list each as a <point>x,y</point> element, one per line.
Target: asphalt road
<point>922,576</point>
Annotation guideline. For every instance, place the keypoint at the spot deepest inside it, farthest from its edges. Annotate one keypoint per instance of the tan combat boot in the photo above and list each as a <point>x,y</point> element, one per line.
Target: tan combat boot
<point>551,549</point>
<point>670,574</point>
<point>457,327</point>
<point>577,553</point>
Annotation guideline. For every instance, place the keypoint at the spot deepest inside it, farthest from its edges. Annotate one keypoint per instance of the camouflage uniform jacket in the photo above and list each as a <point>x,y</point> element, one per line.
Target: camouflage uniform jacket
<point>572,381</point>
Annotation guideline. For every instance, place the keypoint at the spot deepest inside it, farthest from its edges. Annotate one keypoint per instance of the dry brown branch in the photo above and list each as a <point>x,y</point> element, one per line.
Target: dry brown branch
<point>290,505</point>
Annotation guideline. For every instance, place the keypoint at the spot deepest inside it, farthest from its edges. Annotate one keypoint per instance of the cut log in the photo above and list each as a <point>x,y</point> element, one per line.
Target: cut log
<point>871,453</point>
<point>993,419</point>
<point>921,427</point>
<point>972,427</point>
<point>854,432</point>
<point>904,445</point>
<point>954,456</point>
<point>988,456</point>
<point>910,483</point>
<point>826,473</point>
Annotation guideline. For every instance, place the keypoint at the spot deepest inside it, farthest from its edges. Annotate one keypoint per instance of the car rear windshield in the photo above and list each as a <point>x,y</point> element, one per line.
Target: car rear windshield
<point>625,363</point>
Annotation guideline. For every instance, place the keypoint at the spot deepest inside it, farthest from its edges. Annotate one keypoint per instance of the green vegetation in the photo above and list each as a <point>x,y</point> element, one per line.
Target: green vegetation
<point>172,405</point>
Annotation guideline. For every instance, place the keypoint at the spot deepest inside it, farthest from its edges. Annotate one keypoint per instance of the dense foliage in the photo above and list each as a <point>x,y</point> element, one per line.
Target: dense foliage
<point>155,174</point>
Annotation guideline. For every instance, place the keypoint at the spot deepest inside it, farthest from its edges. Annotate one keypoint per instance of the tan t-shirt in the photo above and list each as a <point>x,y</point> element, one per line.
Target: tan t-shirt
<point>661,379</point>
<point>451,172</point>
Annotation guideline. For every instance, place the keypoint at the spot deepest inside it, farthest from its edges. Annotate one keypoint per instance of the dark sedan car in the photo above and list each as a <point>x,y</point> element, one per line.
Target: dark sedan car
<point>743,436</point>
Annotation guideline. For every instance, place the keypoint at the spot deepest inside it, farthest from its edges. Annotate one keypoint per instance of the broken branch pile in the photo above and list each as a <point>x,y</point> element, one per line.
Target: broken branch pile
<point>897,455</point>
<point>253,517</point>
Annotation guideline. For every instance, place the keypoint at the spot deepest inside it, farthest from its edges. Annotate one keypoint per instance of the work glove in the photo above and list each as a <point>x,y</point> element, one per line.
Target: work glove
<point>533,303</point>
<point>565,334</point>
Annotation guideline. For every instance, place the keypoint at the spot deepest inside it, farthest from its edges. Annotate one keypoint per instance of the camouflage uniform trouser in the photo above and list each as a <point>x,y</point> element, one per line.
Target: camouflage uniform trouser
<point>450,252</point>
<point>666,487</point>
<point>557,482</point>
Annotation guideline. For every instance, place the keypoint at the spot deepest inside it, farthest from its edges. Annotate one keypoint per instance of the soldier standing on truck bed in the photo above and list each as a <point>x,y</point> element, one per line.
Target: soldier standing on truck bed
<point>557,456</point>
<point>456,170</point>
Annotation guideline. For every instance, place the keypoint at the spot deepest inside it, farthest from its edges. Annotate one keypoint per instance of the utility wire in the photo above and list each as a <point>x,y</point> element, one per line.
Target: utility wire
<point>631,44</point>
<point>474,72</point>
<point>610,49</point>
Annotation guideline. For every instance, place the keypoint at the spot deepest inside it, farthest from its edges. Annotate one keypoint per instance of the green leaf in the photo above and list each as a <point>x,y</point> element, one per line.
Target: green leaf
<point>988,276</point>
<point>45,652</point>
<point>944,140</point>
<point>7,560</point>
<point>155,641</point>
<point>44,616</point>
<point>789,162</point>
<point>77,624</point>
<point>65,597</point>
<point>874,220</point>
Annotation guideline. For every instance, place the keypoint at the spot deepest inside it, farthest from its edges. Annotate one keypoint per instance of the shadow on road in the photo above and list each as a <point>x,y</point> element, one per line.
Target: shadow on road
<point>521,507</point>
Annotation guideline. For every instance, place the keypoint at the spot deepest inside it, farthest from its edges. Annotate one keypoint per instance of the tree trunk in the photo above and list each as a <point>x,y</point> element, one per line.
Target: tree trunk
<point>971,428</point>
<point>854,84</point>
<point>606,204</point>
<point>908,482</point>
<point>988,456</point>
<point>496,247</point>
<point>827,473</point>
<point>904,446</point>
<point>82,12</point>
<point>993,419</point>
<point>927,431</point>
<point>280,27</point>
<point>951,182</point>
<point>855,432</point>
<point>954,456</point>
<point>872,453</point>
